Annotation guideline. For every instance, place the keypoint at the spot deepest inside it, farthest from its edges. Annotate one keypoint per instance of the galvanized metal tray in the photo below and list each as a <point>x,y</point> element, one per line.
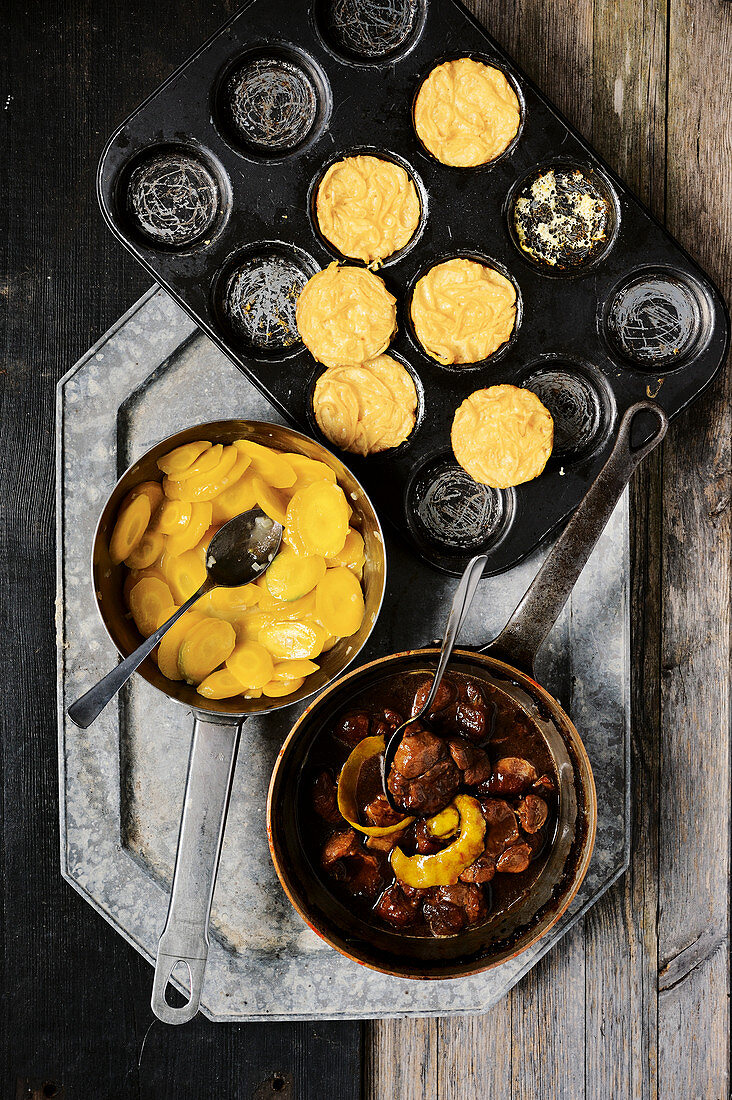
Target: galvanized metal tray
<point>122,780</point>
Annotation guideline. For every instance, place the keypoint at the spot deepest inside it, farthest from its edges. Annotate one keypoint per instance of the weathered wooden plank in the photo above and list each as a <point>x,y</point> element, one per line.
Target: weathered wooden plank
<point>401,1060</point>
<point>629,90</point>
<point>693,923</point>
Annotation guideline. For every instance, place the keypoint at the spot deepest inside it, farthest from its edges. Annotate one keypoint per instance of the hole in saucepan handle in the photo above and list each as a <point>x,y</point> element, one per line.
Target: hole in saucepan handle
<point>171,1001</point>
<point>645,425</point>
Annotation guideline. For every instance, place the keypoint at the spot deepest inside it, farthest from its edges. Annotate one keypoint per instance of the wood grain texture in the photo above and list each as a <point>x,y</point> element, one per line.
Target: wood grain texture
<point>694,827</point>
<point>635,1000</point>
<point>75,1018</point>
<point>649,1017</point>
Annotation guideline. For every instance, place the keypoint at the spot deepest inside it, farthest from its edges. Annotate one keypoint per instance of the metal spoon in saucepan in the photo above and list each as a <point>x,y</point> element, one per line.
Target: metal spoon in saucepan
<point>238,553</point>
<point>460,607</point>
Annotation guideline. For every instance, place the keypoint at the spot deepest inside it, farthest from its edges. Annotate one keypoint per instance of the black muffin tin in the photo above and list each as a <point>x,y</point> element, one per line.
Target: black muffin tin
<point>210,184</point>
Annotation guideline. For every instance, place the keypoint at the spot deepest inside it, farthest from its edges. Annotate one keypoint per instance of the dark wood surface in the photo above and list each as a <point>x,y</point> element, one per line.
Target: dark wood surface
<point>635,1000</point>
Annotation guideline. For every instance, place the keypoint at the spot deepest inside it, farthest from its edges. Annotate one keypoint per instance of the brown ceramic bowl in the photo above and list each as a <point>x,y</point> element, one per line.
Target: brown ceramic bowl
<point>561,868</point>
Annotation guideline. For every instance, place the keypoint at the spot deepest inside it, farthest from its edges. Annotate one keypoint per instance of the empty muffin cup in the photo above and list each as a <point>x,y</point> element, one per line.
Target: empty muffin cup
<point>657,319</point>
<point>255,297</point>
<point>580,402</point>
<point>452,513</point>
<point>171,197</point>
<point>369,31</point>
<point>271,102</point>
<point>563,217</point>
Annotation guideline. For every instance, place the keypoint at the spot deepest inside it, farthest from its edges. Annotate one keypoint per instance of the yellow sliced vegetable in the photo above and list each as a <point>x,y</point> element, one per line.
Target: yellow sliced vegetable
<point>191,535</point>
<point>290,640</point>
<point>185,574</point>
<point>147,551</point>
<point>201,548</point>
<point>206,646</point>
<point>444,868</point>
<point>272,501</point>
<point>153,490</point>
<point>131,524</point>
<point>206,486</point>
<point>294,670</point>
<point>443,824</point>
<point>302,609</point>
<point>148,599</point>
<point>238,498</point>
<point>339,604</point>
<point>207,462</point>
<point>172,641</point>
<point>220,685</point>
<point>136,575</point>
<point>353,552</point>
<point>365,750</point>
<point>329,643</point>
<point>317,519</point>
<point>176,462</point>
<point>308,470</point>
<point>248,626</point>
<point>275,689</point>
<point>229,603</point>
<point>251,664</point>
<point>291,576</point>
<point>172,516</point>
<point>267,463</point>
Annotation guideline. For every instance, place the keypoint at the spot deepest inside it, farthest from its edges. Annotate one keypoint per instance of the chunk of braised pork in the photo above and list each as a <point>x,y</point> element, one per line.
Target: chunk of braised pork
<point>515,859</point>
<point>450,909</point>
<point>481,871</point>
<point>325,798</point>
<point>425,843</point>
<point>473,763</point>
<point>338,846</point>
<point>465,720</point>
<point>420,749</point>
<point>383,843</point>
<point>352,728</point>
<point>396,908</point>
<point>501,826</point>
<point>446,694</point>
<point>384,723</point>
<point>363,874</point>
<point>511,775</point>
<point>424,778</point>
<point>357,870</point>
<point>544,785</point>
<point>380,813</point>
<point>532,813</point>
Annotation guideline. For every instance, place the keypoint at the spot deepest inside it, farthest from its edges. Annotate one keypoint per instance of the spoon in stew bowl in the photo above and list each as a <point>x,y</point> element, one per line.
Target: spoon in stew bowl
<point>462,600</point>
<point>239,552</point>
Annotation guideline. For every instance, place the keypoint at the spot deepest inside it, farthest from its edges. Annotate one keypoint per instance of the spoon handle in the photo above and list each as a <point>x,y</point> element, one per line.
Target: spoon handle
<point>460,606</point>
<point>92,703</point>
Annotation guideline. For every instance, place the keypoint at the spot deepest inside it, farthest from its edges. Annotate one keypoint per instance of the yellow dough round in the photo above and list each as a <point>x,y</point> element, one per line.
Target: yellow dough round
<point>466,113</point>
<point>367,207</point>
<point>462,311</point>
<point>502,436</point>
<point>345,315</point>
<point>366,409</point>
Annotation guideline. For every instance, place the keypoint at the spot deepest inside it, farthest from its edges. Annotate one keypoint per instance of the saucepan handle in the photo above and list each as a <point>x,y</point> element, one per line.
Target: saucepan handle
<point>185,936</point>
<point>519,641</point>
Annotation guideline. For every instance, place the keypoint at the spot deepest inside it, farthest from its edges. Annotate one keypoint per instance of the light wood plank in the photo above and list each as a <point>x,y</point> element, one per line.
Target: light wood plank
<point>693,924</point>
<point>621,960</point>
<point>401,1060</point>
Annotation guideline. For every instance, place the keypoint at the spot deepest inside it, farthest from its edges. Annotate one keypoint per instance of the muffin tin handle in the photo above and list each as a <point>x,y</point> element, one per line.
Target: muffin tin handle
<point>185,936</point>
<point>526,630</point>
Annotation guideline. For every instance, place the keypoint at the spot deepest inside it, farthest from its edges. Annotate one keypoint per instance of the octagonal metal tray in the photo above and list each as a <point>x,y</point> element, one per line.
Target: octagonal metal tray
<point>121,781</point>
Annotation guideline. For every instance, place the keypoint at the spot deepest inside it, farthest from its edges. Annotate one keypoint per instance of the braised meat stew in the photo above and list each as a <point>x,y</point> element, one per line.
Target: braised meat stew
<point>477,792</point>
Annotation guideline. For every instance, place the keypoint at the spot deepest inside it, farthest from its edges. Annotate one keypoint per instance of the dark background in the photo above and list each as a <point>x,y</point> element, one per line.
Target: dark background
<point>635,999</point>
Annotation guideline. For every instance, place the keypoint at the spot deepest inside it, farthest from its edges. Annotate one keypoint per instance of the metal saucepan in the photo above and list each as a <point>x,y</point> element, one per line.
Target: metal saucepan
<point>217,724</point>
<point>506,668</point>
